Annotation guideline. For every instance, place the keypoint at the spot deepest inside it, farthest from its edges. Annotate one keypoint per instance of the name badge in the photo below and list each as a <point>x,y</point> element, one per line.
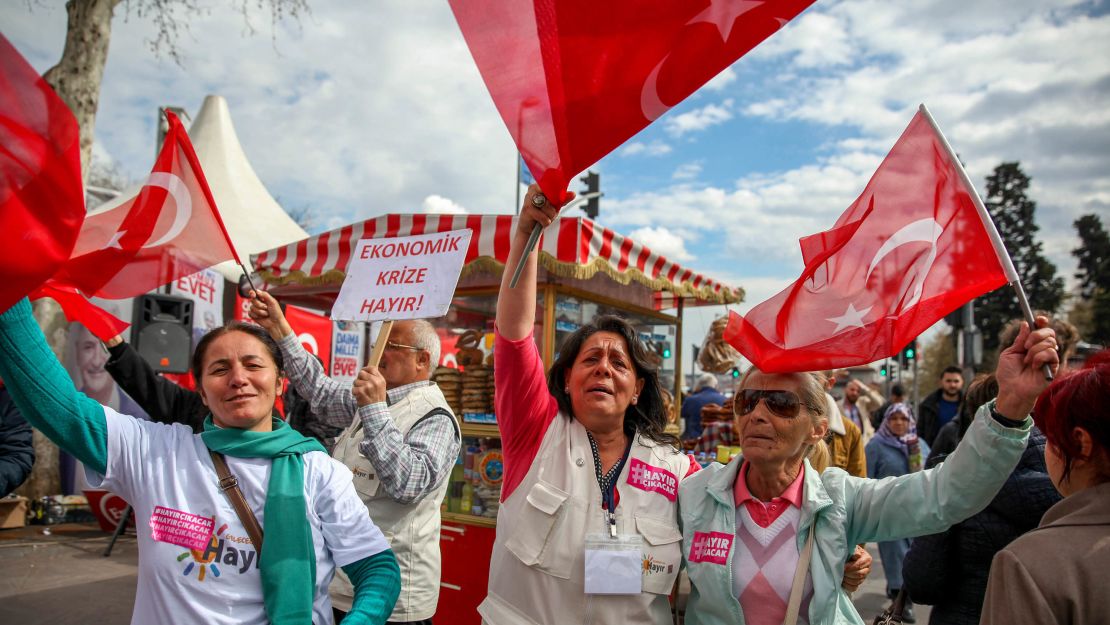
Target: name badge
<point>614,566</point>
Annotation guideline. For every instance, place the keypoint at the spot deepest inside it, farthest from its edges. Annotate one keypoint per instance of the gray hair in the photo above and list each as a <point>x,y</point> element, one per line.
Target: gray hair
<point>705,380</point>
<point>424,336</point>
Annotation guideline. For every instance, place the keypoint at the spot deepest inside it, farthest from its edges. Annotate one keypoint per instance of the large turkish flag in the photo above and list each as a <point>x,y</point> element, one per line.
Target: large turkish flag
<point>574,79</point>
<point>172,229</point>
<point>911,249</point>
<point>41,195</point>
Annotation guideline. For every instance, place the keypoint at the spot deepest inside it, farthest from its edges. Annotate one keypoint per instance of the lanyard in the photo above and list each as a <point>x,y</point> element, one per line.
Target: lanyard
<point>608,482</point>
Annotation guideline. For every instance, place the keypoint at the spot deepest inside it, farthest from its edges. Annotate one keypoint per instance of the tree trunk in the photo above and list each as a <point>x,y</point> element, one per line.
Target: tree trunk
<point>76,79</point>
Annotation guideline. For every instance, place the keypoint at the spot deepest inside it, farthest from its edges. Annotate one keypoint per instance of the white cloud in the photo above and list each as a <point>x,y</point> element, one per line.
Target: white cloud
<point>687,171</point>
<point>663,241</point>
<point>699,119</point>
<point>722,80</point>
<point>652,148</point>
<point>439,204</point>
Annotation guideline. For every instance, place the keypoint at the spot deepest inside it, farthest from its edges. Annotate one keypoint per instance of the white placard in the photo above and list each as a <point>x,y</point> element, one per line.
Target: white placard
<point>402,278</point>
<point>206,289</point>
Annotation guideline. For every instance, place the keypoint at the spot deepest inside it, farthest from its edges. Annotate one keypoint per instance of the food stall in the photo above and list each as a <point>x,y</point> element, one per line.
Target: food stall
<point>585,270</point>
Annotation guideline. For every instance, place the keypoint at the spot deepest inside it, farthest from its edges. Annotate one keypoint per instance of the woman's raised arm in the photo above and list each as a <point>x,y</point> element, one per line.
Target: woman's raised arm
<point>516,306</point>
<point>44,392</point>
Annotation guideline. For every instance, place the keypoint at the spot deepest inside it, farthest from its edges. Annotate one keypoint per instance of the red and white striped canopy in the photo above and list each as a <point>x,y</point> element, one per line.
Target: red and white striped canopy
<point>572,247</point>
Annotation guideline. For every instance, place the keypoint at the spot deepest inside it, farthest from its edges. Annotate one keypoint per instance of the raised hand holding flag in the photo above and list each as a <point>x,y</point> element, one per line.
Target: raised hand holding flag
<point>915,245</point>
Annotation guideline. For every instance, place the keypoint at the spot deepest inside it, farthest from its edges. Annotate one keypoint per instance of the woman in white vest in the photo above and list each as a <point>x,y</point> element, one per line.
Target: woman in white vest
<point>588,528</point>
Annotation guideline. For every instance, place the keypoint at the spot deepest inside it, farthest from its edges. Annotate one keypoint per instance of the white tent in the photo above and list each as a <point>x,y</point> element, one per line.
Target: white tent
<point>254,221</point>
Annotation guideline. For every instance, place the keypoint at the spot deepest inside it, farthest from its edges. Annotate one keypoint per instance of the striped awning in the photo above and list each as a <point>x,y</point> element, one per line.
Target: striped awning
<point>572,247</point>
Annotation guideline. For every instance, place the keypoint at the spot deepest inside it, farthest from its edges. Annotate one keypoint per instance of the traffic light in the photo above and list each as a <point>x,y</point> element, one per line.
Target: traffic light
<point>735,372</point>
<point>909,352</point>
<point>666,350</point>
<point>592,180</point>
<point>883,372</point>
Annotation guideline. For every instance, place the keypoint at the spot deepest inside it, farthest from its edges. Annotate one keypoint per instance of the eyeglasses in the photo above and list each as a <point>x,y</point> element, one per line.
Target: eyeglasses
<point>396,346</point>
<point>785,404</point>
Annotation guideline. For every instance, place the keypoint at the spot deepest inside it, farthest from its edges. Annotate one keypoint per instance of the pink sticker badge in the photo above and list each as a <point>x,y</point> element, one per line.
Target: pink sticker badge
<point>181,528</point>
<point>652,479</point>
<point>712,547</point>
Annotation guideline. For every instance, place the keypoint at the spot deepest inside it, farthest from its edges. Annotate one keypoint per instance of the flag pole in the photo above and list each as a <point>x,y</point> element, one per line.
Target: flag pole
<point>992,231</point>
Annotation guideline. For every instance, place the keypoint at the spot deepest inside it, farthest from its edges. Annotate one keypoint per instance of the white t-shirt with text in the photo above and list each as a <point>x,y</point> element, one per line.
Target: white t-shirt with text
<point>196,561</point>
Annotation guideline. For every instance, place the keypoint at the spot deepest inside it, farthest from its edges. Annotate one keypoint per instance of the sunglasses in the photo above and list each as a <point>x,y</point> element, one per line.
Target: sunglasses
<point>785,404</point>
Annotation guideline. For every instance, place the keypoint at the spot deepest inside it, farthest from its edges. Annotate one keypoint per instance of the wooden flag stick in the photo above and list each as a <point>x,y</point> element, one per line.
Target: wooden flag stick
<point>379,345</point>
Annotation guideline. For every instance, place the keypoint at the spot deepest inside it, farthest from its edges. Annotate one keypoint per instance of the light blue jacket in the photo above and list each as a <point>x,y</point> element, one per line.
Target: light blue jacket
<point>848,511</point>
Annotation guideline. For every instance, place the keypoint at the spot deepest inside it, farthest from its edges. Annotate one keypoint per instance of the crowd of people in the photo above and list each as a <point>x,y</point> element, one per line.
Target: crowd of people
<point>990,504</point>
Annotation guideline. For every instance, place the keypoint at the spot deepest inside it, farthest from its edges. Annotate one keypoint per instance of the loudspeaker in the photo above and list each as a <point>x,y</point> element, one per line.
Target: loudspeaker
<point>164,331</point>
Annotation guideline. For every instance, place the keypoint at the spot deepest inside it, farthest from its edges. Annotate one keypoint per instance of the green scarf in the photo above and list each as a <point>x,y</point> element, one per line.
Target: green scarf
<point>288,564</point>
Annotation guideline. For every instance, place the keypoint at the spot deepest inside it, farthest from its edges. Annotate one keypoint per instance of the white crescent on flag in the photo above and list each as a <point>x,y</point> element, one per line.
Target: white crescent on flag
<point>183,211</point>
<point>922,231</point>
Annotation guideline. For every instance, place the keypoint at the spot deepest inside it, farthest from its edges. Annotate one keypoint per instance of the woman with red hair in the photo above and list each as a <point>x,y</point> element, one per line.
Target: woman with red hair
<point>1057,572</point>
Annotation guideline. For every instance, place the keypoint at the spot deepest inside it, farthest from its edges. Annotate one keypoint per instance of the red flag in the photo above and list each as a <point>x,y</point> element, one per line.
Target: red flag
<point>912,248</point>
<point>41,193</point>
<point>573,79</point>
<point>170,230</point>
<point>313,331</point>
<point>76,307</point>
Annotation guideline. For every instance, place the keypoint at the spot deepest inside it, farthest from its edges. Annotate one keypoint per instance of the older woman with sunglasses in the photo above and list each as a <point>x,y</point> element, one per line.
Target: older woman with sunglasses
<point>766,537</point>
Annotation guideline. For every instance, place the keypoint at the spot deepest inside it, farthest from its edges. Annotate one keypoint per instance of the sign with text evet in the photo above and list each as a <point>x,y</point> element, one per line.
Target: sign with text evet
<point>402,278</point>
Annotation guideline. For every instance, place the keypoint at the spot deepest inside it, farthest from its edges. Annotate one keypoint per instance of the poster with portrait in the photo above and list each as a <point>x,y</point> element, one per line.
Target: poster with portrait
<point>84,359</point>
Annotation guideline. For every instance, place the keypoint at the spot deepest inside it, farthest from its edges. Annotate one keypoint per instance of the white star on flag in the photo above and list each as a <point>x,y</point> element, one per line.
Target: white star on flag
<point>115,241</point>
<point>851,318</point>
<point>723,14</point>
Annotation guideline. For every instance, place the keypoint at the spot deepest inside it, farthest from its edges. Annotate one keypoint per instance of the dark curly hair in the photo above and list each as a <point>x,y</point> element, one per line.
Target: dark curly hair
<point>236,326</point>
<point>648,416</point>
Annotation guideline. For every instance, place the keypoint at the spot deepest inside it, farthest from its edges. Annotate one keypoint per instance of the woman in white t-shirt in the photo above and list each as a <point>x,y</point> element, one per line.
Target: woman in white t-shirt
<point>197,563</point>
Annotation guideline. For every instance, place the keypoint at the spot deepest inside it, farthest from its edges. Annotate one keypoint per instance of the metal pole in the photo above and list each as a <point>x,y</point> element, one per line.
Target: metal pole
<point>913,401</point>
<point>518,181</point>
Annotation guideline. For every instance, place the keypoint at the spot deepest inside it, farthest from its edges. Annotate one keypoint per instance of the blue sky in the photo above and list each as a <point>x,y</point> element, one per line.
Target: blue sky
<point>363,110</point>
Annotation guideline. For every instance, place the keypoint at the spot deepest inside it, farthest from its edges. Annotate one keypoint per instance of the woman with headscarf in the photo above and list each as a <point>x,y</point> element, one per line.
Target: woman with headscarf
<point>895,450</point>
<point>201,558</point>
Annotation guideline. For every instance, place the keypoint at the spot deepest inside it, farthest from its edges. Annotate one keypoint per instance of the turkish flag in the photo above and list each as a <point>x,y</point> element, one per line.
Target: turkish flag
<point>911,249</point>
<point>574,79</point>
<point>76,307</point>
<point>313,331</point>
<point>172,229</point>
<point>41,194</point>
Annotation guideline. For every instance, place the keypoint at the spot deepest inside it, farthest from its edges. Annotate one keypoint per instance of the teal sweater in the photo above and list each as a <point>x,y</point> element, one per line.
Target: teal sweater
<point>44,393</point>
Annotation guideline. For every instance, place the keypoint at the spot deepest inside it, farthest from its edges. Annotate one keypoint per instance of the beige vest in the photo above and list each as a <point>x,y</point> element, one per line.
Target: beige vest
<point>412,529</point>
<point>538,562</point>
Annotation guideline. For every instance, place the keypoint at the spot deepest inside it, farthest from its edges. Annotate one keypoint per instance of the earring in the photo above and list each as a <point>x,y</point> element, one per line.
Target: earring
<point>566,389</point>
<point>634,399</point>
